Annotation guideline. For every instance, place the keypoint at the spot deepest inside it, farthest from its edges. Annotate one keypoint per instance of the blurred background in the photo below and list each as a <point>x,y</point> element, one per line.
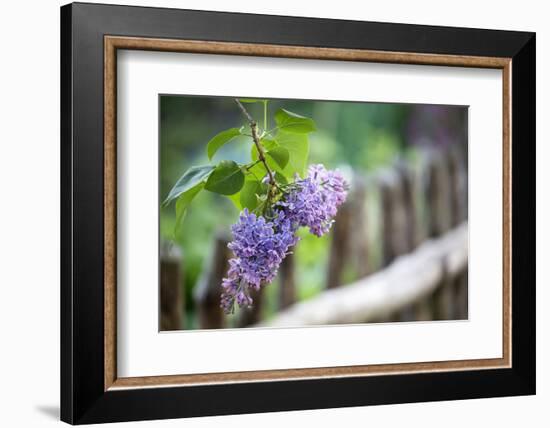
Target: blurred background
<point>398,249</point>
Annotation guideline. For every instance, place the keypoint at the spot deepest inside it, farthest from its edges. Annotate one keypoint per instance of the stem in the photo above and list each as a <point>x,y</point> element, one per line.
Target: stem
<point>252,165</point>
<point>261,155</point>
<point>270,131</point>
<point>265,115</point>
<point>249,169</point>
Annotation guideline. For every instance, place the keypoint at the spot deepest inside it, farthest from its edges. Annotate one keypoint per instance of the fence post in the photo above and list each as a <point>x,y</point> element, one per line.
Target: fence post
<point>438,192</point>
<point>340,245</point>
<point>252,315</point>
<point>409,184</point>
<point>459,201</point>
<point>287,282</point>
<point>359,251</point>
<point>395,186</point>
<point>409,232</point>
<point>460,310</point>
<point>208,290</point>
<point>394,217</point>
<point>458,179</point>
<point>439,213</point>
<point>171,285</point>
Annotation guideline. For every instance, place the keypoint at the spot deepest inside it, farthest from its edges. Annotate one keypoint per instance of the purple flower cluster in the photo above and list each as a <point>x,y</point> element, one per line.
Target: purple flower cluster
<point>259,245</point>
<point>315,200</point>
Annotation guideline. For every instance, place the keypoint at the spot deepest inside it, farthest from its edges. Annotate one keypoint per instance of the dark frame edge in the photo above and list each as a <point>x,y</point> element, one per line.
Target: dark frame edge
<point>523,219</point>
<point>66,130</point>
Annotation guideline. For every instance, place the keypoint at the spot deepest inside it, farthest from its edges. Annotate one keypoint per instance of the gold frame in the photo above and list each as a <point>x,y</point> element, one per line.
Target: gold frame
<point>112,43</point>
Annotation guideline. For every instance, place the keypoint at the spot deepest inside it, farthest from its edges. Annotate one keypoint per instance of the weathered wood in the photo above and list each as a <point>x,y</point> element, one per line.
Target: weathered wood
<point>460,293</point>
<point>423,309</point>
<point>438,195</point>
<point>208,290</point>
<point>410,278</point>
<point>252,315</point>
<point>413,234</point>
<point>340,245</point>
<point>442,300</point>
<point>458,178</point>
<point>349,243</point>
<point>171,288</point>
<point>458,181</point>
<point>287,282</point>
<point>394,216</point>
<point>410,188</point>
<point>359,246</point>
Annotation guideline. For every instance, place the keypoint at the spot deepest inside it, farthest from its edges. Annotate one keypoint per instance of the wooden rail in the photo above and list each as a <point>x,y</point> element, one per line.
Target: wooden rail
<point>408,279</point>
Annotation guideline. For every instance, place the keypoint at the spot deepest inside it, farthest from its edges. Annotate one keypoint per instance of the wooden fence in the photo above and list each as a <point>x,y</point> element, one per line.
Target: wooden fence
<point>419,271</point>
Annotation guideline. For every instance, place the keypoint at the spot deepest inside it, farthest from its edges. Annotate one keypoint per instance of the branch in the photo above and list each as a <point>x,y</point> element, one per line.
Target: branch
<point>254,129</point>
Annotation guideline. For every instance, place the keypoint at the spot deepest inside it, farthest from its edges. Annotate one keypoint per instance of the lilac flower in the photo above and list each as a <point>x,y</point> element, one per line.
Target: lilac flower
<point>259,247</point>
<point>314,201</point>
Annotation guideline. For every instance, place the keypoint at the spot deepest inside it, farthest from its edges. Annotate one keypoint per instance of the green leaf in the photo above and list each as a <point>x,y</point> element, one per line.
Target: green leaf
<point>183,202</point>
<point>276,157</point>
<point>220,139</point>
<point>279,155</point>
<point>292,122</point>
<point>298,149</point>
<point>191,177</point>
<point>236,199</point>
<point>249,191</point>
<point>281,179</point>
<point>257,172</point>
<point>267,144</point>
<point>226,179</point>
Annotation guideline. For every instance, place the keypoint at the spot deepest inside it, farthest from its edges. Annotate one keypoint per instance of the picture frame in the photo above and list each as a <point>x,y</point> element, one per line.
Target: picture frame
<point>91,390</point>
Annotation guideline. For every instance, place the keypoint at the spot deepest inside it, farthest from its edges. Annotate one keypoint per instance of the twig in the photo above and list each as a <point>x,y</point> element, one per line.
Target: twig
<point>254,129</point>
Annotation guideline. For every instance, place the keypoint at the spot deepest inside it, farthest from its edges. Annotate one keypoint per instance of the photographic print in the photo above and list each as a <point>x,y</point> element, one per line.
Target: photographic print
<point>293,213</point>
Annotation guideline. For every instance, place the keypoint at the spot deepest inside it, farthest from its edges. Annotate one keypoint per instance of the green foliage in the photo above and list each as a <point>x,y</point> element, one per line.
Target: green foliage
<point>277,157</point>
<point>280,155</point>
<point>220,139</point>
<point>311,259</point>
<point>292,122</point>
<point>257,171</point>
<point>194,235</point>
<point>251,193</point>
<point>381,149</point>
<point>267,144</point>
<point>183,201</point>
<point>226,179</point>
<point>192,177</point>
<point>298,149</point>
<point>283,155</point>
<point>281,178</point>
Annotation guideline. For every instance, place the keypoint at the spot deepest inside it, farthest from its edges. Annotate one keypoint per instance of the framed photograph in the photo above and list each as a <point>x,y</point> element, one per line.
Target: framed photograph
<point>266,213</point>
